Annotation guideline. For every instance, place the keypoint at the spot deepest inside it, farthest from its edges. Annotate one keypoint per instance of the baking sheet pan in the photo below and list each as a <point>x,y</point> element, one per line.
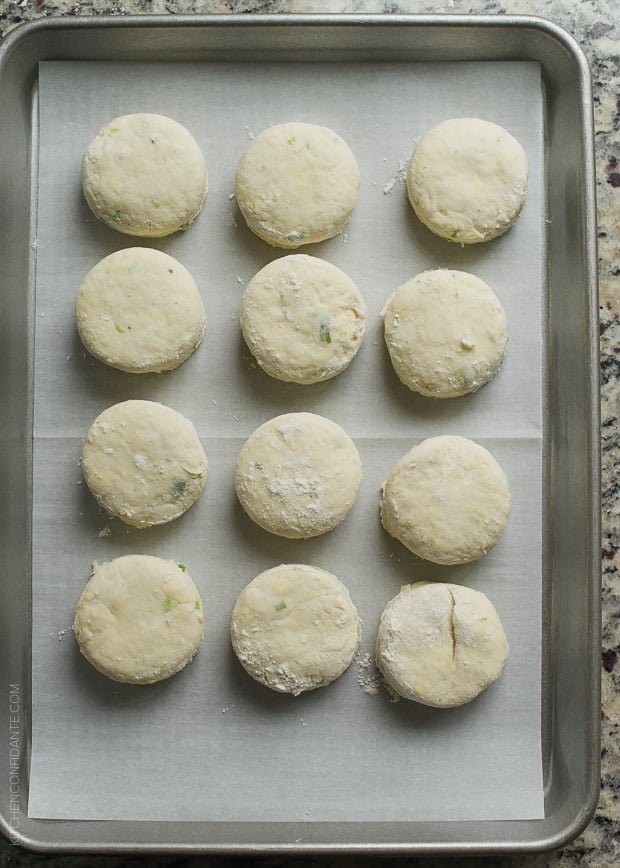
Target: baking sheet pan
<point>54,430</point>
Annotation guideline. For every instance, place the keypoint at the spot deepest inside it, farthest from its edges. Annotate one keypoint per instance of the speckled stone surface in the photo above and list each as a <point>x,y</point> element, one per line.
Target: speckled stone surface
<point>596,26</point>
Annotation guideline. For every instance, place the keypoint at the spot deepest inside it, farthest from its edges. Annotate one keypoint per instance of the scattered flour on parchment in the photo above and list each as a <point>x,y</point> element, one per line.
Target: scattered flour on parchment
<point>371,680</point>
<point>399,177</point>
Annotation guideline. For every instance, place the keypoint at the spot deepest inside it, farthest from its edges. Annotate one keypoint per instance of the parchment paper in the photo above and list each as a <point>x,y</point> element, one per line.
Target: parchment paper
<point>210,743</point>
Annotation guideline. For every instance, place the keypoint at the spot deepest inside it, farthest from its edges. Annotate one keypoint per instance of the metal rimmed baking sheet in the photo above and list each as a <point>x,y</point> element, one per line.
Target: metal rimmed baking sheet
<point>414,834</point>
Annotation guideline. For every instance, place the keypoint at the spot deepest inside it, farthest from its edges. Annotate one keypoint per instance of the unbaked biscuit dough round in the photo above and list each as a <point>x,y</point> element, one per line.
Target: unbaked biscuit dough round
<point>297,183</point>
<point>447,500</point>
<point>139,310</point>
<point>294,628</point>
<point>139,619</point>
<point>144,174</point>
<point>298,475</point>
<point>302,318</point>
<point>144,463</point>
<point>446,333</point>
<point>440,644</point>
<point>467,180</point>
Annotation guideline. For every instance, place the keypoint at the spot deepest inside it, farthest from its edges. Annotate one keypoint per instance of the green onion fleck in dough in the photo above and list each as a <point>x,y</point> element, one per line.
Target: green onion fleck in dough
<point>463,381</point>
<point>279,606</point>
<point>169,603</point>
<point>178,487</point>
<point>324,332</point>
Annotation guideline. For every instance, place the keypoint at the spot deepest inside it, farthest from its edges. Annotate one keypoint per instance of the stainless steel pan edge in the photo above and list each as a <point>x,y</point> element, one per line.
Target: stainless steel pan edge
<point>571,678</point>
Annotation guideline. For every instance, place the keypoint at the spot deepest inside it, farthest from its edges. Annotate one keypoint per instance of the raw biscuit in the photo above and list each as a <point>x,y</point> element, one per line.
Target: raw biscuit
<point>144,174</point>
<point>446,333</point>
<point>297,183</point>
<point>144,463</point>
<point>139,310</point>
<point>139,619</point>
<point>303,319</point>
<point>294,628</point>
<point>467,180</point>
<point>298,475</point>
<point>440,644</point>
<point>447,500</point>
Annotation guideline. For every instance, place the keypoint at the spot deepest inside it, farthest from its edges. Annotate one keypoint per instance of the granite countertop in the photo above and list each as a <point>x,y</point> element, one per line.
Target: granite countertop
<point>596,26</point>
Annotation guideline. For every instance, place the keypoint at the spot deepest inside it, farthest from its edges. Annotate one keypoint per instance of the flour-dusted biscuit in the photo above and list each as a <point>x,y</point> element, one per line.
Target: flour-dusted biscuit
<point>144,174</point>
<point>294,628</point>
<point>446,333</point>
<point>298,475</point>
<point>447,500</point>
<point>139,310</point>
<point>144,463</point>
<point>467,180</point>
<point>139,619</point>
<point>297,183</point>
<point>302,318</point>
<point>440,644</point>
